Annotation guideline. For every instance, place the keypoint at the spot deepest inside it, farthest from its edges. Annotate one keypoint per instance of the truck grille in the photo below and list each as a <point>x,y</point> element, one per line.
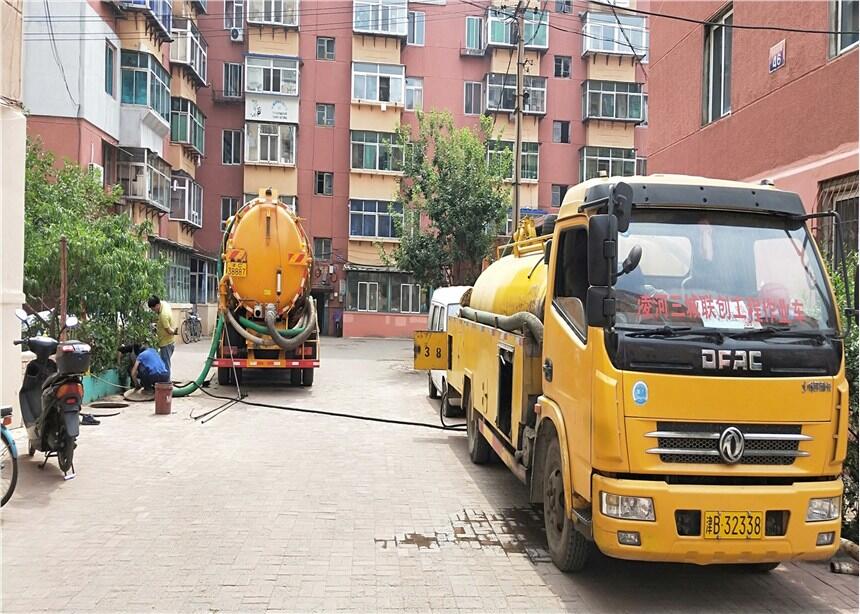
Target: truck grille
<point>698,442</point>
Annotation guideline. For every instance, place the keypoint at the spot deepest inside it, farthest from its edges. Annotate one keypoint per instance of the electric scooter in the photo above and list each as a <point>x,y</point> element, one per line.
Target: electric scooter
<point>51,395</point>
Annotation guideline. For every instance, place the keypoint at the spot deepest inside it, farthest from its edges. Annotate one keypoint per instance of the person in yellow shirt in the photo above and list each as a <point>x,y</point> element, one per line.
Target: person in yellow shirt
<point>164,328</point>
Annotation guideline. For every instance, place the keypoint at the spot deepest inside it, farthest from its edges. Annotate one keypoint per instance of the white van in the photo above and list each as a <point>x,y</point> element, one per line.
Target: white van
<point>444,302</point>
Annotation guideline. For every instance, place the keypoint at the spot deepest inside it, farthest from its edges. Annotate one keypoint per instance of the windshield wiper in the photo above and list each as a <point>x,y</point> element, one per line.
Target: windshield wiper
<point>778,331</point>
<point>672,331</point>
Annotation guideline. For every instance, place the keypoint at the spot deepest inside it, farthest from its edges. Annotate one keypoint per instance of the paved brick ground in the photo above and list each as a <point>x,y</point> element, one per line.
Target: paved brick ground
<point>261,509</point>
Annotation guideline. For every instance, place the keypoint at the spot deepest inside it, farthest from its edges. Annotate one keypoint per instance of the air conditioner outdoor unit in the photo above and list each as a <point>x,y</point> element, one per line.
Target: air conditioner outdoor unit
<point>237,35</point>
<point>98,169</point>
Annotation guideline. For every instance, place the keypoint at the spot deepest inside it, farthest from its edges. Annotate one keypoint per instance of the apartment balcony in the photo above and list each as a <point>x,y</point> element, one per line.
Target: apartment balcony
<point>280,14</point>
<point>380,17</point>
<point>159,14</point>
<point>621,35</point>
<point>189,50</point>
<point>501,90</point>
<point>501,29</point>
<point>187,125</point>
<point>144,177</point>
<point>186,201</point>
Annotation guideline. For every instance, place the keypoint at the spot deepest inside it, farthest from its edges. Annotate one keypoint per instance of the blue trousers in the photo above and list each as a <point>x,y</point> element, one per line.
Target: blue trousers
<point>166,352</point>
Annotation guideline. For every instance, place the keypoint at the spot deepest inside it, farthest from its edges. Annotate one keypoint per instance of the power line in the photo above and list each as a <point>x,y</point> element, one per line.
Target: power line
<point>56,54</point>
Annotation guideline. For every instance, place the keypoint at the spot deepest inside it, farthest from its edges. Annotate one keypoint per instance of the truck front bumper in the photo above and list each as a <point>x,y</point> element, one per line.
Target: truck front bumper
<point>661,539</point>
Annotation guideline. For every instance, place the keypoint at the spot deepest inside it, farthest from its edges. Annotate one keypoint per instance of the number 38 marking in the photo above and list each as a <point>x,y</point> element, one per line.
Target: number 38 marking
<point>427,352</point>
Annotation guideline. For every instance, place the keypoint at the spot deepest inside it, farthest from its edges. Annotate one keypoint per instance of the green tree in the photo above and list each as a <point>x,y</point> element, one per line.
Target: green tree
<point>849,473</point>
<point>109,272</point>
<point>454,199</point>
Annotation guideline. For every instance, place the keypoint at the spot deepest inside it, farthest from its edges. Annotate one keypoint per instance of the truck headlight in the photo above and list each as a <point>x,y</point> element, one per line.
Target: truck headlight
<point>820,510</point>
<point>626,508</point>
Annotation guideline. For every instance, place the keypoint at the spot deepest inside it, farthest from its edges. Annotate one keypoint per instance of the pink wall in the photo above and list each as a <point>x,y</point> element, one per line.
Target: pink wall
<point>362,324</point>
<point>69,138</point>
<point>804,110</point>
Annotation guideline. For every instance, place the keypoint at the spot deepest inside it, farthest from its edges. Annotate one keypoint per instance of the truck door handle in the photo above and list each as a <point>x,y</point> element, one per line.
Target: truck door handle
<point>547,369</point>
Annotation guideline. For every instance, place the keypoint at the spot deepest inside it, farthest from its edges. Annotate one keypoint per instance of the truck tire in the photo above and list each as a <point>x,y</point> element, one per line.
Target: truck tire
<point>448,410</point>
<point>295,377</point>
<point>479,447</point>
<point>568,548</point>
<point>431,390</point>
<point>307,377</point>
<point>223,376</point>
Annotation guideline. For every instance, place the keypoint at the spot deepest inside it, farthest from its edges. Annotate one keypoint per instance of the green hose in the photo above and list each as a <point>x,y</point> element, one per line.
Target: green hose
<point>288,332</point>
<point>216,339</point>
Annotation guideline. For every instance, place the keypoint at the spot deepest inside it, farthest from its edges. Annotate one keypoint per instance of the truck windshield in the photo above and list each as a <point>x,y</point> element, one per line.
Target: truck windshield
<point>722,270</point>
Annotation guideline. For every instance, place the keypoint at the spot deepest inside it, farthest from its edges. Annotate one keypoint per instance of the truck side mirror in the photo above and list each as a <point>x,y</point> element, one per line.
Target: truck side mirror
<point>600,306</point>
<point>602,249</point>
<point>621,198</point>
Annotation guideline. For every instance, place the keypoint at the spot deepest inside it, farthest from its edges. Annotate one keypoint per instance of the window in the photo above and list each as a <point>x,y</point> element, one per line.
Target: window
<point>474,33</point>
<point>325,48</point>
<point>560,132</point>
<point>322,248</point>
<point>144,176</point>
<point>612,100</point>
<point>380,16</point>
<point>272,75</point>
<point>718,69</point>
<point>415,35</point>
<point>563,6</point>
<point>502,90</point>
<point>324,183</point>
<point>845,22</point>
<point>204,283</point>
<point>500,24</point>
<point>189,48</point>
<point>270,143</point>
<point>145,82</point>
<point>374,218</point>
<point>414,94</point>
<point>558,192</point>
<point>641,166</point>
<point>391,292</point>
<point>325,114</point>
<point>229,207</point>
<point>232,80</point>
<point>562,66</point>
<point>378,82</point>
<point>571,279</point>
<point>231,147</point>
<point>110,68</point>
<point>376,151</point>
<point>274,12</point>
<point>614,161</point>
<point>187,124</point>
<point>839,194</point>
<point>472,98</point>
<point>603,34</point>
<point>186,200</point>
<point>177,277</point>
<point>233,14</point>
<point>528,158</point>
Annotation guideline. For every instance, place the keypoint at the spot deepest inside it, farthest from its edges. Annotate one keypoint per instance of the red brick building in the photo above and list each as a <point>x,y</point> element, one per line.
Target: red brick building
<point>749,104</point>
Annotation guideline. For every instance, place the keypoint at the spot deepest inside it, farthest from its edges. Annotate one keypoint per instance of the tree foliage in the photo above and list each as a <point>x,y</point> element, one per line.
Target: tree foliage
<point>109,272</point>
<point>849,473</point>
<point>454,199</point>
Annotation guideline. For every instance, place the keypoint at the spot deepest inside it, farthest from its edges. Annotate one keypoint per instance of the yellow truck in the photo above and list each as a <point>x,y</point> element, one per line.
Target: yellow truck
<point>688,404</point>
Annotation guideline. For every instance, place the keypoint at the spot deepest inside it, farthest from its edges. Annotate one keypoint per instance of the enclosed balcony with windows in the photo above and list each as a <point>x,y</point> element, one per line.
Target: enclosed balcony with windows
<point>270,144</point>
<point>144,176</point>
<point>613,100</point>
<point>187,124</point>
<point>284,13</point>
<point>502,28</point>
<point>158,12</point>
<point>186,201</point>
<point>386,17</point>
<point>614,161</point>
<point>376,151</point>
<point>272,75</point>
<point>374,219</point>
<point>615,35</point>
<point>502,93</point>
<point>382,83</point>
<point>145,82</point>
<point>189,49</point>
<point>529,158</point>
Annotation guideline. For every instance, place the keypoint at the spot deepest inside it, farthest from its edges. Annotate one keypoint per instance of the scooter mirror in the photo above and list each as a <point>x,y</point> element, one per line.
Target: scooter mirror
<point>21,315</point>
<point>71,321</point>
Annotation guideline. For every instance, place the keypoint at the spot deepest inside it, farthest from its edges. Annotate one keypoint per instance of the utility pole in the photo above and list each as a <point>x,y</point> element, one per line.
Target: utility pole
<point>520,100</point>
<point>64,285</point>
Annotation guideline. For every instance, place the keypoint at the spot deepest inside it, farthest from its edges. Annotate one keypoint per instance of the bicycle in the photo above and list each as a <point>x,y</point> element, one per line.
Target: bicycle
<point>8,458</point>
<point>191,328</point>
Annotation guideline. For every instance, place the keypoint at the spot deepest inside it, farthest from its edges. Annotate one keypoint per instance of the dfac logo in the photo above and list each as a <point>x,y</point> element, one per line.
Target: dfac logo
<point>731,446</point>
<point>736,360</point>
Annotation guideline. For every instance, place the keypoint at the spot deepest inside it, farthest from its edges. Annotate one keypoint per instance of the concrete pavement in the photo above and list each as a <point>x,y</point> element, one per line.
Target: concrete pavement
<point>261,509</point>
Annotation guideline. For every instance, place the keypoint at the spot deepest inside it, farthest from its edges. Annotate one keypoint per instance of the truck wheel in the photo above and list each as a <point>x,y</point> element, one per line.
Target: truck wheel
<point>431,391</point>
<point>479,448</point>
<point>448,410</point>
<point>295,377</point>
<point>223,376</point>
<point>307,377</point>
<point>567,546</point>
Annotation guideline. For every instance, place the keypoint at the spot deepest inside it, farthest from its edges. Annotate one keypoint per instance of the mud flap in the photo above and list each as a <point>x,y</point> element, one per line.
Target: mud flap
<point>72,416</point>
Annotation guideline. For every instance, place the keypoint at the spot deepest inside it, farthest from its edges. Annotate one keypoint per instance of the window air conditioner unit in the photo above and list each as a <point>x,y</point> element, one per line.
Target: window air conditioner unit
<point>98,170</point>
<point>237,35</point>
